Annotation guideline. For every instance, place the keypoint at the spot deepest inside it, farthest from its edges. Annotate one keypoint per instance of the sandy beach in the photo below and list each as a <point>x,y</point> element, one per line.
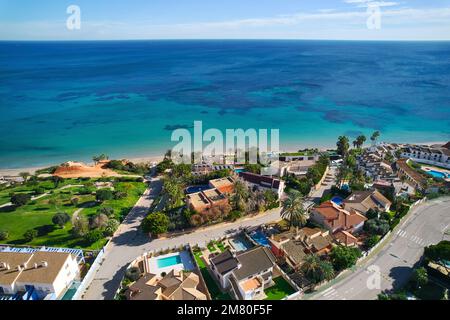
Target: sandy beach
<point>156,159</point>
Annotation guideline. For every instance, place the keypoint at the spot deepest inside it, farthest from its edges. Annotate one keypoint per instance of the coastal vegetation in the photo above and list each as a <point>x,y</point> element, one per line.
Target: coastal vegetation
<point>66,214</point>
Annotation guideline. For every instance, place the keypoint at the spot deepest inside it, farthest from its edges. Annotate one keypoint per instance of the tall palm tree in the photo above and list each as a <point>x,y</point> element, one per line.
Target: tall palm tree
<point>317,270</point>
<point>240,195</point>
<point>360,140</point>
<point>293,209</point>
<point>374,137</point>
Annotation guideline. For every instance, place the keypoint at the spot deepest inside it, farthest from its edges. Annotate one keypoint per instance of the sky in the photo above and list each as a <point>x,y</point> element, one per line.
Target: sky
<point>227,19</point>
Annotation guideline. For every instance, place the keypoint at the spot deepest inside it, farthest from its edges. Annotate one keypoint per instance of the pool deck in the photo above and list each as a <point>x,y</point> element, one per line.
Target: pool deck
<point>186,263</point>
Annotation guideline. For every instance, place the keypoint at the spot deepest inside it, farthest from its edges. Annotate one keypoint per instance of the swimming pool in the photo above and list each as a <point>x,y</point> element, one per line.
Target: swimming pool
<point>337,200</point>
<point>168,261</point>
<point>194,189</point>
<point>239,170</point>
<point>240,244</point>
<point>260,238</point>
<point>437,174</point>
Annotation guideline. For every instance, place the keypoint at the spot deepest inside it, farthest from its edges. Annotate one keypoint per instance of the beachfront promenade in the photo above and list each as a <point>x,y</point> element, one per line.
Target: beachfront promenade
<point>129,242</point>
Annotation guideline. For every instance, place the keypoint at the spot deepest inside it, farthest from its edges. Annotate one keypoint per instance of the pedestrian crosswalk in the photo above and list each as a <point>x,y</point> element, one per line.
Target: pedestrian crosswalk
<point>413,238</point>
<point>332,294</point>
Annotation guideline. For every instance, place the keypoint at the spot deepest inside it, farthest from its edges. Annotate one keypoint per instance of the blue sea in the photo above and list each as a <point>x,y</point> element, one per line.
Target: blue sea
<point>64,101</point>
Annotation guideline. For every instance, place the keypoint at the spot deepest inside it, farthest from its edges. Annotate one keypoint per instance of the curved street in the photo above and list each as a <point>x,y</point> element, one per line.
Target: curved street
<point>390,266</point>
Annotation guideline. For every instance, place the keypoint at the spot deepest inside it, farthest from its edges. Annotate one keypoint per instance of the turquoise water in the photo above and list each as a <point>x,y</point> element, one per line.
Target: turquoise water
<point>240,243</point>
<point>437,174</point>
<point>63,101</point>
<point>194,189</point>
<point>169,261</point>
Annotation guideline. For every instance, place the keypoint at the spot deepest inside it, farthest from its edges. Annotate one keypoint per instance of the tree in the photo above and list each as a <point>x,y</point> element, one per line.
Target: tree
<point>317,270</point>
<point>372,213</point>
<point>240,195</point>
<point>253,168</point>
<point>56,180</point>
<point>344,257</point>
<point>98,221</point>
<point>437,252</point>
<point>20,199</point>
<point>342,145</point>
<point>60,219</point>
<point>39,190</point>
<point>103,195</point>
<point>29,235</point>
<point>99,158</point>
<point>4,234</point>
<point>74,201</point>
<point>376,227</point>
<point>111,227</point>
<point>108,211</point>
<point>271,199</point>
<point>80,226</point>
<point>420,277</point>
<point>24,175</point>
<point>360,140</point>
<point>374,137</point>
<point>93,236</point>
<point>155,223</point>
<point>293,209</point>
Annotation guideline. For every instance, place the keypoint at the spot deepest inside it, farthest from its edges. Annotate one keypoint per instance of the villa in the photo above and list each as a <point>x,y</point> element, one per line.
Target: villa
<point>343,224</point>
<point>175,285</point>
<point>294,245</point>
<point>203,200</point>
<point>38,275</point>
<point>247,273</point>
<point>224,185</point>
<point>363,201</point>
<point>434,155</point>
<point>265,182</point>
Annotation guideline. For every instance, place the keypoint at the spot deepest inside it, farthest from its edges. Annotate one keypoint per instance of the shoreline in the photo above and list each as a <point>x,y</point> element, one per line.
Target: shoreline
<point>153,158</point>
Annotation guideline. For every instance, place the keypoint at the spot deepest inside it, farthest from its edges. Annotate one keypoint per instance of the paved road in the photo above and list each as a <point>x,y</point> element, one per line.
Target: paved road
<point>129,242</point>
<point>425,225</point>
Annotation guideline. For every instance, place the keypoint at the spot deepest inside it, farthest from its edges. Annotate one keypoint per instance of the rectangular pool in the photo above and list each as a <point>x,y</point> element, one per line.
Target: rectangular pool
<point>260,238</point>
<point>168,261</point>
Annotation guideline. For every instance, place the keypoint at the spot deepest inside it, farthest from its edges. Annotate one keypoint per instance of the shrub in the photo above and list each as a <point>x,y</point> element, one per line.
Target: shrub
<point>98,221</point>
<point>111,227</point>
<point>133,273</point>
<point>120,195</point>
<point>103,195</point>
<point>80,226</point>
<point>108,211</point>
<point>85,191</point>
<point>234,215</point>
<point>74,201</point>
<point>60,219</point>
<point>376,227</point>
<point>371,241</point>
<point>29,235</point>
<point>39,190</point>
<point>372,214</point>
<point>4,235</point>
<point>440,251</point>
<point>20,199</point>
<point>93,236</point>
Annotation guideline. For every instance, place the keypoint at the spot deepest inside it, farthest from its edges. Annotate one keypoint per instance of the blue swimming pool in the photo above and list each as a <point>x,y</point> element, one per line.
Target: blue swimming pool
<point>194,189</point>
<point>337,200</point>
<point>260,238</point>
<point>437,174</point>
<point>240,243</point>
<point>168,261</point>
<point>239,170</point>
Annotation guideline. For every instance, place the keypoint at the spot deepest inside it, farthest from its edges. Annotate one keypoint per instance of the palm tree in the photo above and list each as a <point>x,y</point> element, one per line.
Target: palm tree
<point>240,195</point>
<point>360,140</point>
<point>293,209</point>
<point>317,270</point>
<point>342,145</point>
<point>374,137</point>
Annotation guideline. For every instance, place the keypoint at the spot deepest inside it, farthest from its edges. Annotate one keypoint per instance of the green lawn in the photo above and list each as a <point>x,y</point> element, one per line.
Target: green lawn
<point>38,215</point>
<point>279,290</point>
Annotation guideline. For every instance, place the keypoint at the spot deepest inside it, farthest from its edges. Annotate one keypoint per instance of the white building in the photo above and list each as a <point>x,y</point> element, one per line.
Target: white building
<point>247,273</point>
<point>435,155</point>
<point>45,273</point>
